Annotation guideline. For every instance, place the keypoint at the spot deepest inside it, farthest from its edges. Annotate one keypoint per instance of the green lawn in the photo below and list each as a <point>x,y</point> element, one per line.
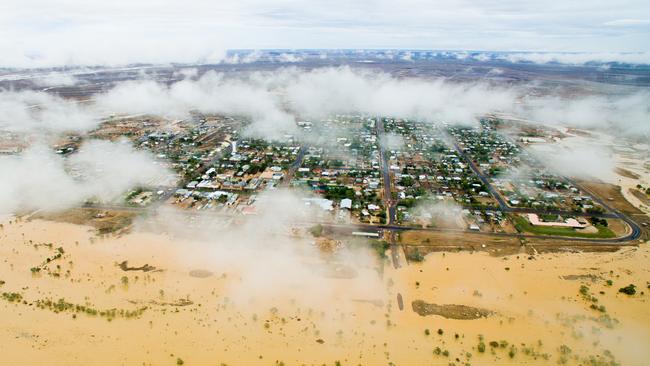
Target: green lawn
<point>523,225</point>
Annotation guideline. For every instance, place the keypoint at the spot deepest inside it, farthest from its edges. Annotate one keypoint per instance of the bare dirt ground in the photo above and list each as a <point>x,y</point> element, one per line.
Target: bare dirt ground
<point>645,200</point>
<point>612,195</point>
<point>626,173</point>
<point>104,221</point>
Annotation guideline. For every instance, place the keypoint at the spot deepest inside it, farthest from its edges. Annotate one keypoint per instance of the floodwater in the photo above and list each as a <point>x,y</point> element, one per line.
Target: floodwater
<point>225,315</point>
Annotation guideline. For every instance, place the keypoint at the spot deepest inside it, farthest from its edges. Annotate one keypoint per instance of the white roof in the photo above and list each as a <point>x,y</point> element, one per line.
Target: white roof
<point>346,203</point>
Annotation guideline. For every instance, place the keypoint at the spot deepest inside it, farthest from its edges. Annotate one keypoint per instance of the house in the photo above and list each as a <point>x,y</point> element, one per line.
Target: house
<point>570,222</point>
<point>182,192</point>
<point>346,203</point>
<point>323,203</point>
<point>373,207</point>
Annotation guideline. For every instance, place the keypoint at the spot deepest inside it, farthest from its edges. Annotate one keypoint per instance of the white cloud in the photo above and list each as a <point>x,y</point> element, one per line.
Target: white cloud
<point>627,22</point>
<point>620,114</point>
<point>42,113</point>
<point>212,93</point>
<point>577,157</point>
<point>56,79</point>
<point>579,58</point>
<point>38,179</point>
<point>323,92</point>
<point>38,33</point>
<point>273,100</point>
<point>272,254</point>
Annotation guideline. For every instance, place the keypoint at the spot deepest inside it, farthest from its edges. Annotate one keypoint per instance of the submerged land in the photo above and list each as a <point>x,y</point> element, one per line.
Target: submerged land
<point>563,307</point>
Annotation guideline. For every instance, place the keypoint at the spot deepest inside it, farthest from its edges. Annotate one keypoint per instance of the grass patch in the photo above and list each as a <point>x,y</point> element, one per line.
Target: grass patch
<point>414,255</point>
<point>316,230</point>
<point>523,225</point>
<point>380,247</point>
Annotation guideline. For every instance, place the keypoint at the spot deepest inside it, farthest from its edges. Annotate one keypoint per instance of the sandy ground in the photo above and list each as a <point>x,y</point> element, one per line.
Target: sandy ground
<point>210,317</point>
<point>640,167</point>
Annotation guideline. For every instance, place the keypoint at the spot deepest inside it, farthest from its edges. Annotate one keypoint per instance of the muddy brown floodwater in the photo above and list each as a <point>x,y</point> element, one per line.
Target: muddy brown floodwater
<point>549,308</point>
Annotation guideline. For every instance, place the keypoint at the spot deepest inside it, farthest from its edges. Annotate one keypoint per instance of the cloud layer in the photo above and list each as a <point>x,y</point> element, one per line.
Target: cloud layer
<point>38,179</point>
<point>39,112</point>
<point>273,101</point>
<point>271,255</point>
<point>40,33</point>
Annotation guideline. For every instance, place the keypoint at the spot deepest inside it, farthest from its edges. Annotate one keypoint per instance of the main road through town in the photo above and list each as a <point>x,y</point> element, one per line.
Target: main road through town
<point>388,197</point>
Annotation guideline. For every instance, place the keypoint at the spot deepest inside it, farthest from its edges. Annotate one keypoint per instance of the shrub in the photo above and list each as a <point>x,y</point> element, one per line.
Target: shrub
<point>415,256</point>
<point>380,247</point>
<point>316,230</point>
<point>481,347</point>
<point>628,290</point>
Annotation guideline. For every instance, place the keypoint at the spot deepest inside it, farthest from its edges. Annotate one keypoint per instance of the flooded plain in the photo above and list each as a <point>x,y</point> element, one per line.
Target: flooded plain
<point>70,298</point>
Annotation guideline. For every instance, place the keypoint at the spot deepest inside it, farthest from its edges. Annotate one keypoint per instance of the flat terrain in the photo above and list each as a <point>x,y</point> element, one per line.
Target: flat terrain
<point>523,225</point>
<point>175,300</point>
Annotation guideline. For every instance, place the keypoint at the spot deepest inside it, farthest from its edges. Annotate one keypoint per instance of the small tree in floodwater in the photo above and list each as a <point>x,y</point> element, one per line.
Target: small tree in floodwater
<point>316,230</point>
<point>628,290</point>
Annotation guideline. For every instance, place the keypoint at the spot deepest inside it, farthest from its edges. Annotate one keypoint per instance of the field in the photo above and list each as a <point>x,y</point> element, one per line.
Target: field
<point>522,225</point>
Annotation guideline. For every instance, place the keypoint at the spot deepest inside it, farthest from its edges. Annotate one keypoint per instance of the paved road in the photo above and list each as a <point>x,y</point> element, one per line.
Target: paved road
<point>391,227</point>
<point>611,214</point>
<point>388,197</point>
<point>636,230</point>
<point>483,178</point>
<point>296,164</point>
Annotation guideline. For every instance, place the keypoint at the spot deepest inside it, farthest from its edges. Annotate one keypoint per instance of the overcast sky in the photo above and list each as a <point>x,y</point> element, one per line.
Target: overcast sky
<point>45,33</point>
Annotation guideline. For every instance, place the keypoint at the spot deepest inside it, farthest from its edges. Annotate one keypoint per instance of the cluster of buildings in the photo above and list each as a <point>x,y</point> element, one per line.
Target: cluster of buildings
<point>345,160</point>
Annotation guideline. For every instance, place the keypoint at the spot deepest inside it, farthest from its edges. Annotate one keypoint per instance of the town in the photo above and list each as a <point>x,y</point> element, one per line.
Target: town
<point>372,176</point>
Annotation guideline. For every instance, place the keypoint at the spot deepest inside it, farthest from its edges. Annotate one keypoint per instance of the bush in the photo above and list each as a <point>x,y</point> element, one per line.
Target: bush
<point>380,247</point>
<point>415,256</point>
<point>481,347</point>
<point>316,230</point>
<point>628,290</point>
<point>406,181</point>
